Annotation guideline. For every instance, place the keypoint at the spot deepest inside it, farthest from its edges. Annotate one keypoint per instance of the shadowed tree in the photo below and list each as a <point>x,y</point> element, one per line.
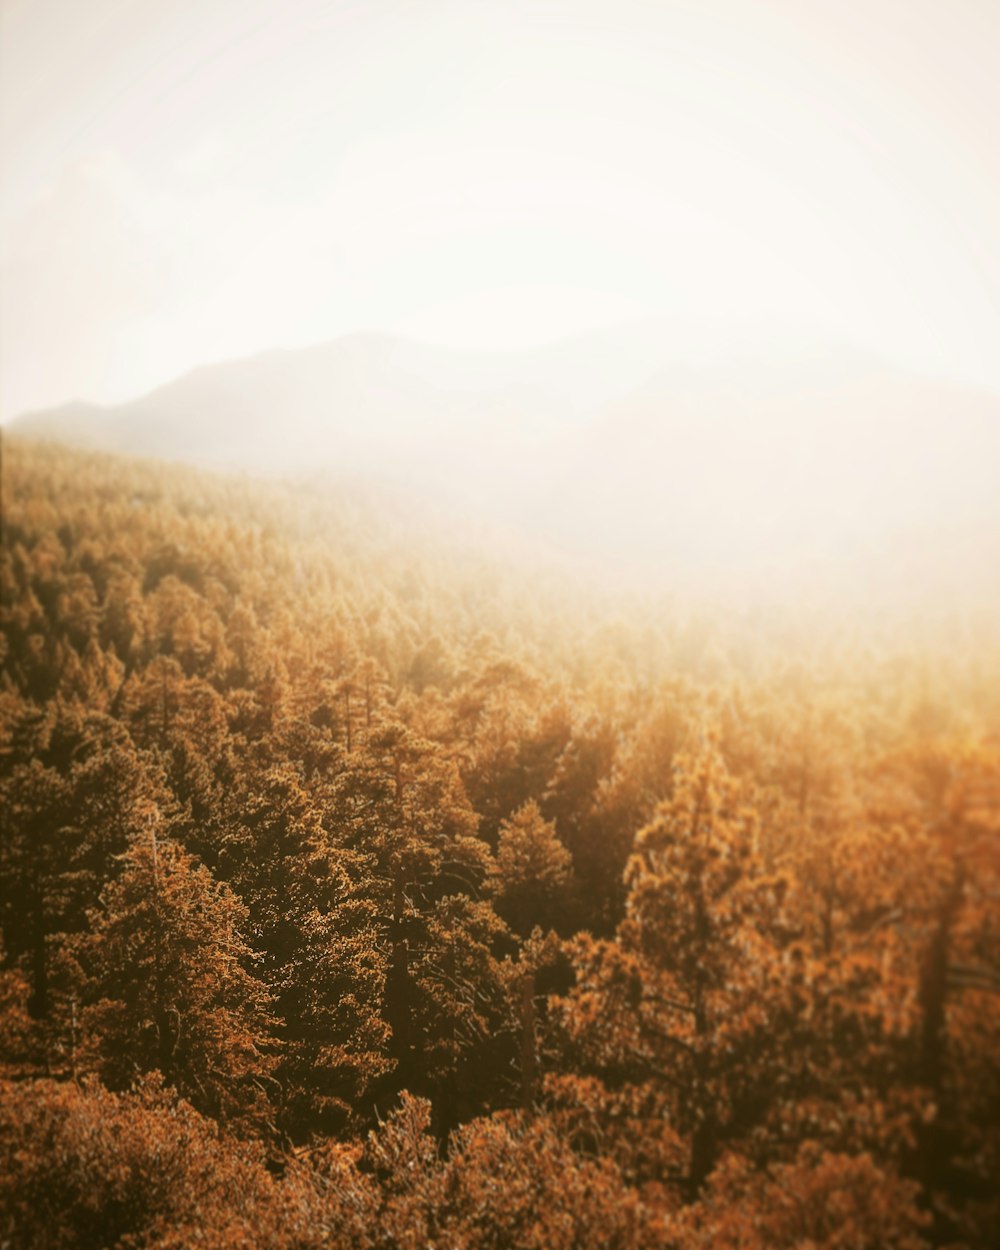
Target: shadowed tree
<point>686,1002</point>
<point>169,986</point>
<point>532,871</point>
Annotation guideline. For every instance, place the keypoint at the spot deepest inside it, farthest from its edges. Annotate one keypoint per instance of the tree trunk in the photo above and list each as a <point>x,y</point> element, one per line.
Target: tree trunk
<point>529,1055</point>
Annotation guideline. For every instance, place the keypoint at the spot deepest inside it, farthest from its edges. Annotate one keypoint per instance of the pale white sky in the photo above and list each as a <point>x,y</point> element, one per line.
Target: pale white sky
<point>185,180</point>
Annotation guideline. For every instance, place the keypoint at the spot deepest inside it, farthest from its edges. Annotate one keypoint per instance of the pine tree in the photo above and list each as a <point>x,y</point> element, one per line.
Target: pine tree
<point>37,852</point>
<point>169,983</point>
<point>686,1001</point>
<point>399,810</point>
<point>532,871</point>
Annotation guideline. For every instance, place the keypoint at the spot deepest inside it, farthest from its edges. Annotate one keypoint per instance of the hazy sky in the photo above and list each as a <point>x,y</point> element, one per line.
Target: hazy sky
<point>185,180</point>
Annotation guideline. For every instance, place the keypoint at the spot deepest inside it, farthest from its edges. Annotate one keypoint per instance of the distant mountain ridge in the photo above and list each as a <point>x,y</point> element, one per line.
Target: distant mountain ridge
<point>353,397</point>
<point>616,444</point>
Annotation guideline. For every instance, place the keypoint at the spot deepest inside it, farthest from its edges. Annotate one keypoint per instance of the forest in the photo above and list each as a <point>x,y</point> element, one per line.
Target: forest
<point>363,886</point>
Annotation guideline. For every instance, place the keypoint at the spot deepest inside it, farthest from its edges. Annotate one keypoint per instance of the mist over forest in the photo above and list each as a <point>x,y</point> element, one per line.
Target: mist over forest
<point>754,469</point>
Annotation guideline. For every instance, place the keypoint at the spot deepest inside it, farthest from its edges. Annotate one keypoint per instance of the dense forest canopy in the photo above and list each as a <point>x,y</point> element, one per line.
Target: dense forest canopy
<point>360,886</point>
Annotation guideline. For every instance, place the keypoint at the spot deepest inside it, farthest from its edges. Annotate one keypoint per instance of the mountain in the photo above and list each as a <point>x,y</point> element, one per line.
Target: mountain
<point>362,402</point>
<point>699,462</point>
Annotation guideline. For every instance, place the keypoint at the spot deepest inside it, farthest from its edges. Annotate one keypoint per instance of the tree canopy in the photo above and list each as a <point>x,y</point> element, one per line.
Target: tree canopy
<point>359,889</point>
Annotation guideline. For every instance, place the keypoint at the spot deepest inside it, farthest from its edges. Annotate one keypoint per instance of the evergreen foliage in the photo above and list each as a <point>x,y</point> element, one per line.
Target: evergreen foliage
<point>355,891</point>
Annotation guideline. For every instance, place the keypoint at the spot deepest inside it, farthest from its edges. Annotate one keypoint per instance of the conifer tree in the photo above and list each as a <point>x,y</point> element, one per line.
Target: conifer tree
<point>399,809</point>
<point>532,871</point>
<point>169,982</point>
<point>686,1001</point>
<point>37,853</point>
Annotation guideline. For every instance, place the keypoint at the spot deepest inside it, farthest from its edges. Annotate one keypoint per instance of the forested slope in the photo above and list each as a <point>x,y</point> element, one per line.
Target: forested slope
<point>358,890</point>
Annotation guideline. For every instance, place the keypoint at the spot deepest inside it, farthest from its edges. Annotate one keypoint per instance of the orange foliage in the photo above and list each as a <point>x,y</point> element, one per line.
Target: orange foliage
<point>356,891</point>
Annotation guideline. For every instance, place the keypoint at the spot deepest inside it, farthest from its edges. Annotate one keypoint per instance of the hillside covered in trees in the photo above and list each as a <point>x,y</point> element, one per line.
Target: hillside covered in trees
<point>360,890</point>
